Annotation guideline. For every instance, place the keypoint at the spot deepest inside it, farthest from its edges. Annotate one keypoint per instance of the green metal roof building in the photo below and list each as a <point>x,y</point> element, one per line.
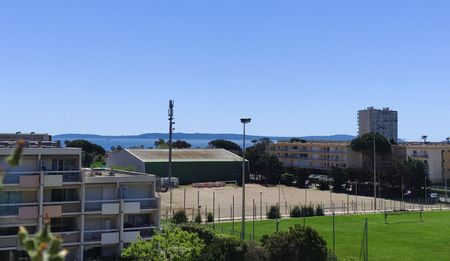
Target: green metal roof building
<point>189,165</point>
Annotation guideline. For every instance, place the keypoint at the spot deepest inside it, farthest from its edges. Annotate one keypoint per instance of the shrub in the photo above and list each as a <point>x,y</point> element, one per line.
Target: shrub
<point>296,212</point>
<point>274,212</point>
<point>299,243</point>
<point>170,244</point>
<point>319,211</point>
<point>256,253</point>
<point>210,217</point>
<point>308,211</point>
<point>198,218</point>
<point>218,247</point>
<point>180,217</point>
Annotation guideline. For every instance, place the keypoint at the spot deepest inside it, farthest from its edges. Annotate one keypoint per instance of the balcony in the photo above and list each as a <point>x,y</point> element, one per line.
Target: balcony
<point>52,211</point>
<point>106,236</point>
<point>97,205</point>
<point>131,205</point>
<point>66,176</point>
<point>14,178</point>
<point>29,181</point>
<point>8,242</point>
<point>67,207</point>
<point>18,209</point>
<point>69,237</point>
<point>131,234</point>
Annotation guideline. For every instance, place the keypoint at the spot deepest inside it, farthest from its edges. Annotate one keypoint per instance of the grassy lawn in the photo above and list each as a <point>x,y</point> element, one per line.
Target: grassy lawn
<point>403,238</point>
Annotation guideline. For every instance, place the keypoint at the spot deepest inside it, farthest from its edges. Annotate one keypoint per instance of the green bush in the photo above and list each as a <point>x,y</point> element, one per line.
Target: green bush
<point>217,246</point>
<point>299,243</point>
<point>198,218</point>
<point>256,253</point>
<point>210,217</point>
<point>274,212</point>
<point>308,211</point>
<point>319,211</point>
<point>296,212</point>
<point>180,217</point>
<point>170,244</point>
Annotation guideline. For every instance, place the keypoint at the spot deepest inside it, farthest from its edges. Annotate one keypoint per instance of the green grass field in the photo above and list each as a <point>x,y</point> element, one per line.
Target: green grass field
<point>403,238</point>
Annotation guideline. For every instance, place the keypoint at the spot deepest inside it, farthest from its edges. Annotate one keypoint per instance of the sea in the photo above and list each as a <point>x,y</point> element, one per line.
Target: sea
<point>107,143</point>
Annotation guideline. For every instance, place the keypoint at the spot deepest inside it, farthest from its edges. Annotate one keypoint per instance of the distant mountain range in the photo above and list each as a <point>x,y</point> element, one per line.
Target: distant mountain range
<point>198,136</point>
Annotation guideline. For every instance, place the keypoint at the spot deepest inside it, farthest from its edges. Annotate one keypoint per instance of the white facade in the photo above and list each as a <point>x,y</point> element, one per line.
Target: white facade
<point>96,212</point>
<point>383,121</point>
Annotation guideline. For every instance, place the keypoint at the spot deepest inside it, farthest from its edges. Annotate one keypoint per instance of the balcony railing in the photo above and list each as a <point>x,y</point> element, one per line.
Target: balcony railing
<point>8,241</point>
<point>146,203</point>
<point>67,176</point>
<point>12,209</point>
<point>67,206</point>
<point>14,177</point>
<point>69,237</point>
<point>96,205</point>
<point>96,235</point>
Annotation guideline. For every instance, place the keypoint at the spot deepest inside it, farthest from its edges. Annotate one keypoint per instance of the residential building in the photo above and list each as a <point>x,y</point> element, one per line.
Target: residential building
<point>383,121</point>
<point>96,212</point>
<point>316,155</point>
<point>189,165</point>
<point>435,155</point>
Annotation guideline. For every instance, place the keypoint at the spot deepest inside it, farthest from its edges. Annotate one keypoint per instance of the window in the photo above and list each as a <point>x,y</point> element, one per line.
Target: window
<point>10,197</point>
<point>64,195</point>
<point>63,224</point>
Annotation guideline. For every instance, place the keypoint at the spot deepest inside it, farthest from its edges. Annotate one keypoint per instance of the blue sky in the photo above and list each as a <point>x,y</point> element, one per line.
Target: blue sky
<point>296,67</point>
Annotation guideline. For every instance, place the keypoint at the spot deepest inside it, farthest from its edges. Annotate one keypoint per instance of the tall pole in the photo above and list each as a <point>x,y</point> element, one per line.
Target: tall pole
<point>446,191</point>
<point>402,195</point>
<point>171,103</point>
<point>374,173</point>
<point>243,121</point>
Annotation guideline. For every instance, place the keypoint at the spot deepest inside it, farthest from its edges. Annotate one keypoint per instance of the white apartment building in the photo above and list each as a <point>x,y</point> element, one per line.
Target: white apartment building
<point>96,212</point>
<point>383,121</point>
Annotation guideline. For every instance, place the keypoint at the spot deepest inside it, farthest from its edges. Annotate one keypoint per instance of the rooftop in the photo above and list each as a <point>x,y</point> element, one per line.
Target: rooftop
<point>108,175</point>
<point>158,155</point>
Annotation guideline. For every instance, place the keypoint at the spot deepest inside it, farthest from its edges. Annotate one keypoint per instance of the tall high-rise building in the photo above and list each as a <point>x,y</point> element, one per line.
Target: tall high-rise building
<point>382,121</point>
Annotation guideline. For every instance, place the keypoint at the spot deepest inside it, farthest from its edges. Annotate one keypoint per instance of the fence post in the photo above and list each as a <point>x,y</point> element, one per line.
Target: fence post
<point>214,209</point>
<point>206,214</point>
<point>260,205</point>
<point>254,214</point>
<point>232,218</point>
<point>184,200</point>
<point>219,214</point>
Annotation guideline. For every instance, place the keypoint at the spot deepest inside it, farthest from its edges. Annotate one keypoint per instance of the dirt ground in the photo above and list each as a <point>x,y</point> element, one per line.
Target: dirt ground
<point>264,197</point>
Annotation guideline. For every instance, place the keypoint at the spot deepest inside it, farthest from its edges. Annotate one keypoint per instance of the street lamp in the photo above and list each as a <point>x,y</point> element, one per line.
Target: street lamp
<point>424,138</point>
<point>243,121</point>
<point>374,173</point>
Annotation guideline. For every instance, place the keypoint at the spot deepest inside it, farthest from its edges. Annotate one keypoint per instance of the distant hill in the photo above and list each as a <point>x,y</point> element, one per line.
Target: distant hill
<point>198,136</point>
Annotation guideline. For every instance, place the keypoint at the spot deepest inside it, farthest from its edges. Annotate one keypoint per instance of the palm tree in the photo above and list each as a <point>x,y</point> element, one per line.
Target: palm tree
<point>424,138</point>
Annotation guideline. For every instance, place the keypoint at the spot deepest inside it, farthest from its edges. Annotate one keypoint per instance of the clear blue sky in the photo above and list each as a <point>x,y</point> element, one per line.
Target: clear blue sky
<point>296,67</point>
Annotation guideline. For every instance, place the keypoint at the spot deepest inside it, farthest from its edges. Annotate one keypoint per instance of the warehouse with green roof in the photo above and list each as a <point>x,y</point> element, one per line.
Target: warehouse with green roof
<point>189,165</point>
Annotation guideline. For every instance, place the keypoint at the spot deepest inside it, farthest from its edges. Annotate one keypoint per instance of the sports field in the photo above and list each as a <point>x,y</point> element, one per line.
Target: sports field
<point>405,237</point>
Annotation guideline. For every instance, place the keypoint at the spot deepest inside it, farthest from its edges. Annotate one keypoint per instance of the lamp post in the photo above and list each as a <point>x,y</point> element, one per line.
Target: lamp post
<point>243,121</point>
<point>374,173</point>
<point>169,172</point>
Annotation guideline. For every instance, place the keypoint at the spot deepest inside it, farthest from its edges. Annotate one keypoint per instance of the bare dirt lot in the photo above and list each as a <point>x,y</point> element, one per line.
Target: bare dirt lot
<point>264,197</point>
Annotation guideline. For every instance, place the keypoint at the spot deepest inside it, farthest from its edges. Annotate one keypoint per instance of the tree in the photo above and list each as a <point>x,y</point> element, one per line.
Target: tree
<point>225,144</point>
<point>181,144</point>
<point>180,217</point>
<point>365,142</point>
<point>172,244</point>
<point>91,152</point>
<point>262,163</point>
<point>160,144</point>
<point>299,243</point>
<point>292,140</point>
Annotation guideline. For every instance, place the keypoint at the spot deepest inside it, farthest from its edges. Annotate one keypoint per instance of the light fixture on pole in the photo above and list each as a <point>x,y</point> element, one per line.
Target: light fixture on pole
<point>243,121</point>
<point>169,172</point>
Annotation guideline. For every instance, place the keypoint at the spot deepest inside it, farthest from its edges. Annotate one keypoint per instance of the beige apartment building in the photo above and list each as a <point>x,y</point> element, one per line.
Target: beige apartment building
<point>316,155</point>
<point>96,212</point>
<point>435,155</point>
